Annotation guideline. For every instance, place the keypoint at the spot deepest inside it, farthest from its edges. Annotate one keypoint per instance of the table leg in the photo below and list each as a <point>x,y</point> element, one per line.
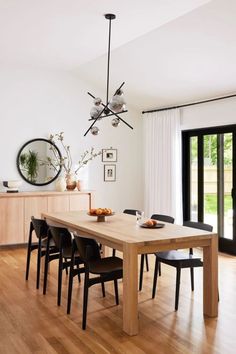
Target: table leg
<point>210,278</point>
<point>130,289</point>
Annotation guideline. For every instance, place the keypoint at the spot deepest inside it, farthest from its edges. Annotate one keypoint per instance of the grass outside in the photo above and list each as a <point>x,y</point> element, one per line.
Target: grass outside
<point>210,203</point>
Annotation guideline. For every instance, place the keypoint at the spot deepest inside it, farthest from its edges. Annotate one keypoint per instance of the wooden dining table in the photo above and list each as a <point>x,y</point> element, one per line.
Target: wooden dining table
<point>122,233</point>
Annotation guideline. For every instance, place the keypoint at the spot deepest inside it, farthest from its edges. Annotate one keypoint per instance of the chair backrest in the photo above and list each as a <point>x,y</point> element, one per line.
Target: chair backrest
<point>198,225</point>
<point>40,227</point>
<point>61,237</point>
<point>88,249</point>
<point>162,217</point>
<point>130,211</point>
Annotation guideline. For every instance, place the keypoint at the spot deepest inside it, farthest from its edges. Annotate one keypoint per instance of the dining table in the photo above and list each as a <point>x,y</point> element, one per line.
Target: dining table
<point>121,232</point>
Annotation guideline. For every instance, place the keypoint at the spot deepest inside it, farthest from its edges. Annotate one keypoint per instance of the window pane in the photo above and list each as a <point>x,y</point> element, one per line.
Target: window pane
<point>210,180</point>
<point>228,184</point>
<point>193,178</point>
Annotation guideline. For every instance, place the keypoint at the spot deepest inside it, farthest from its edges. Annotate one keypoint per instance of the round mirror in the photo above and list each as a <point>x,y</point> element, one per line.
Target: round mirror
<point>38,162</point>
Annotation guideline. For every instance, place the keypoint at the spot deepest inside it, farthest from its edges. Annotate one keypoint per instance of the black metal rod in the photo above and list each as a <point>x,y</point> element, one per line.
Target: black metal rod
<point>108,60</point>
<point>119,88</point>
<point>189,104</point>
<point>109,115</point>
<point>115,114</point>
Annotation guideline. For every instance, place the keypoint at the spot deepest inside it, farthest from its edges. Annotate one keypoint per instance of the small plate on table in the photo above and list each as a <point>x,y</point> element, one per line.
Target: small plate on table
<point>156,226</point>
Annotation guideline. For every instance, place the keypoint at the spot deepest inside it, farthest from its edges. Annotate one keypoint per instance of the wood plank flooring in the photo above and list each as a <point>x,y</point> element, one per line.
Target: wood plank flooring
<point>32,323</point>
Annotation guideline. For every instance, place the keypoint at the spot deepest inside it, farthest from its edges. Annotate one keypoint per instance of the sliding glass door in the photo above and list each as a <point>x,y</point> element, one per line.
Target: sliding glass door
<point>209,164</point>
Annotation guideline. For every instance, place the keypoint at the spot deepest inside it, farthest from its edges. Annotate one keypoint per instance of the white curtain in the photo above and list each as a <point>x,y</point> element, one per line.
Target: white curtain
<point>162,162</point>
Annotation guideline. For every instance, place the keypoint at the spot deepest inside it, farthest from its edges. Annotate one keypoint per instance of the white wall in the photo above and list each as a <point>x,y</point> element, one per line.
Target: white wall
<point>36,102</point>
<point>209,114</point>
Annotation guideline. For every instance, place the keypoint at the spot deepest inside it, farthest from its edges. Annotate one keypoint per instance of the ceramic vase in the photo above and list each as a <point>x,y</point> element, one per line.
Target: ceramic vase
<point>70,182</point>
<point>60,184</point>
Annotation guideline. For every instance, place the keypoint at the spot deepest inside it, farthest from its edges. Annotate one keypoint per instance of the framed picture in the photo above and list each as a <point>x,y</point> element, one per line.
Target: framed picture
<point>109,155</point>
<point>109,173</point>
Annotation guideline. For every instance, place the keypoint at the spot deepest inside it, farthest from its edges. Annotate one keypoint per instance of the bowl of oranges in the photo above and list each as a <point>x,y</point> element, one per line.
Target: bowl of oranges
<point>101,213</point>
<point>151,224</point>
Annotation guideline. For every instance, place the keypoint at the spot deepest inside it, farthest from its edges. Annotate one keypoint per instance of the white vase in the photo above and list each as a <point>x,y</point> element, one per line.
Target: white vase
<point>60,184</point>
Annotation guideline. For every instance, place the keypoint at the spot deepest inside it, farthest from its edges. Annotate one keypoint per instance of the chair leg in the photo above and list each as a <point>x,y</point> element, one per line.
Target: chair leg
<point>192,278</point>
<point>103,289</point>
<point>46,268</point>
<point>141,272</point>
<point>146,260</point>
<point>66,266</point>
<point>28,261</point>
<point>155,278</point>
<point>38,264</point>
<point>70,285</point>
<point>85,300</point>
<point>60,268</point>
<point>116,291</point>
<point>159,269</point>
<point>178,273</point>
<point>113,252</point>
<point>29,252</point>
<point>79,277</point>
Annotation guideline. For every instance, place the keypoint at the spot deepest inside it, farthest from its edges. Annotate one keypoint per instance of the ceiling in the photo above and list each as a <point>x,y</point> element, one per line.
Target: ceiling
<point>167,51</point>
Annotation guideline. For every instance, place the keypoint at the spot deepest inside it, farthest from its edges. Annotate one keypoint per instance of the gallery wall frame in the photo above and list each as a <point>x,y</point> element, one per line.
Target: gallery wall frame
<point>109,173</point>
<point>109,155</point>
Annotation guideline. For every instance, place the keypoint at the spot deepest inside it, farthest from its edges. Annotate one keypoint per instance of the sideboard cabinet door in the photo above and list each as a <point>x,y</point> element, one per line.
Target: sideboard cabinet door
<point>58,203</point>
<point>81,202</point>
<point>11,217</point>
<point>34,206</point>
<point>16,211</point>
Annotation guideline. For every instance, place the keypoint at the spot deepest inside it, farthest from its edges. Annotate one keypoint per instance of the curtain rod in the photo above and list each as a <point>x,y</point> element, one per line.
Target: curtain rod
<point>189,104</point>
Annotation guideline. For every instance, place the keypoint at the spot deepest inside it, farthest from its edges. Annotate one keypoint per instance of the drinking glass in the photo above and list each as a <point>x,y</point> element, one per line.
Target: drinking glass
<point>139,216</point>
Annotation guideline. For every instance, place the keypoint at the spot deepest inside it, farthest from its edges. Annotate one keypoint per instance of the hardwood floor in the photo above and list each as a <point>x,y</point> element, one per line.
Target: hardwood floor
<point>32,323</point>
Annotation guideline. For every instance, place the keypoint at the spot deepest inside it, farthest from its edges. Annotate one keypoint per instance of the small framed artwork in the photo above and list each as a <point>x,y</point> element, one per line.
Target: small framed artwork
<point>109,155</point>
<point>109,173</point>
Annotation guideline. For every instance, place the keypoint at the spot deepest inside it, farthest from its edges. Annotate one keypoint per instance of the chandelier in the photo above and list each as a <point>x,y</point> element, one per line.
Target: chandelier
<point>113,108</point>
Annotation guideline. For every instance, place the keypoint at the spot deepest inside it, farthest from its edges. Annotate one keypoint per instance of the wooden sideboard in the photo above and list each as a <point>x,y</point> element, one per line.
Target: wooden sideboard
<point>16,210</point>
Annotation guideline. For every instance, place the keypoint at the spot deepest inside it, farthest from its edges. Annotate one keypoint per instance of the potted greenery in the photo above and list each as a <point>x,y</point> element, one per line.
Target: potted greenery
<point>29,164</point>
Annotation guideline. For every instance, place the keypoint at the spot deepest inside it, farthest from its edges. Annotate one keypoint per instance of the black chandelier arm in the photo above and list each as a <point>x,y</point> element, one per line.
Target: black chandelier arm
<point>114,93</point>
<point>109,115</point>
<point>95,118</point>
<point>90,95</point>
<point>119,88</point>
<point>115,114</point>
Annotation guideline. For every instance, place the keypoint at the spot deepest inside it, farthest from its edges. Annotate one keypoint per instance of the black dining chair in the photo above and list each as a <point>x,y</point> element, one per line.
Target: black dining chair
<point>40,227</point>
<point>158,217</point>
<point>131,211</point>
<point>63,241</point>
<point>163,217</point>
<point>180,260</point>
<point>105,269</point>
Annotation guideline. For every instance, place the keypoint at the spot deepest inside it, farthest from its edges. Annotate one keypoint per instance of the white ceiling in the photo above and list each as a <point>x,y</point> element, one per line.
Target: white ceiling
<point>67,33</point>
<point>167,51</point>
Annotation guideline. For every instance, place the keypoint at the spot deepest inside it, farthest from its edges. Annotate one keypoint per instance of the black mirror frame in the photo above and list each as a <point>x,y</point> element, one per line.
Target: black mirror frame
<point>18,165</point>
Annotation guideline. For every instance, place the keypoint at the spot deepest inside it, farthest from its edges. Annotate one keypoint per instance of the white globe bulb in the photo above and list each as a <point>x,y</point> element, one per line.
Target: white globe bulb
<point>115,122</point>
<point>94,130</point>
